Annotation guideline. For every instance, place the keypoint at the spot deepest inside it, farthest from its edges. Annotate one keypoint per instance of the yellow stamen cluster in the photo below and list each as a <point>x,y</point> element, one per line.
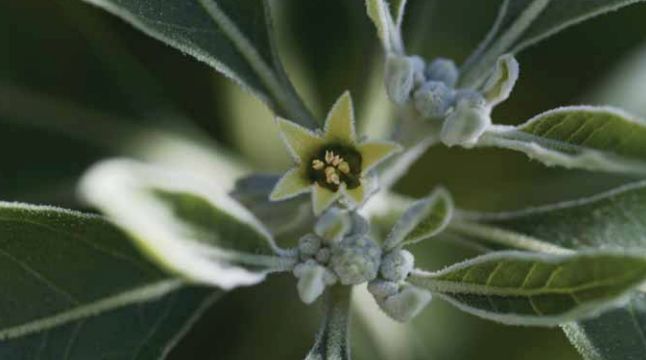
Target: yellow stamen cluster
<point>334,165</point>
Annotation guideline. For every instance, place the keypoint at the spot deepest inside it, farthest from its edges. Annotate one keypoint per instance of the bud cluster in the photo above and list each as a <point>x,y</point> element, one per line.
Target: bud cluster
<point>396,298</point>
<point>431,89</point>
<point>339,250</point>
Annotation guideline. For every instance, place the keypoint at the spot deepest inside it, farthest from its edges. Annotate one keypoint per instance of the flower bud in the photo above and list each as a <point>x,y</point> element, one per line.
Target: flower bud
<point>401,74</point>
<point>405,305</point>
<point>356,259</point>
<point>312,279</point>
<point>443,70</point>
<point>433,99</point>
<point>500,84</point>
<point>308,246</point>
<point>382,289</point>
<point>467,122</point>
<point>396,265</point>
<point>332,225</point>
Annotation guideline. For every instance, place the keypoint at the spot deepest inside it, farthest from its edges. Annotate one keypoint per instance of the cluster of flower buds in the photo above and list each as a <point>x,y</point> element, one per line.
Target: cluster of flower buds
<point>339,250</point>
<point>431,89</point>
<point>396,298</point>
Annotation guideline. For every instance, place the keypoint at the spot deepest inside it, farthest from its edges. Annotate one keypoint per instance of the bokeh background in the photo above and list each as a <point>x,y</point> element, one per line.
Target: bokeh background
<point>78,85</point>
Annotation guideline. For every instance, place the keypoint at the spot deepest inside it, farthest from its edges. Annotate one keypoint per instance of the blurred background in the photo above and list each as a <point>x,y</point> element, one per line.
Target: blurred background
<point>78,85</point>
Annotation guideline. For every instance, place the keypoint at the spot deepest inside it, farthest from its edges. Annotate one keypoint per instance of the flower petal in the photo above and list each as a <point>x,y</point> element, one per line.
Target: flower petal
<point>339,125</point>
<point>372,153</point>
<point>302,143</point>
<point>291,184</point>
<point>322,198</point>
<point>357,195</point>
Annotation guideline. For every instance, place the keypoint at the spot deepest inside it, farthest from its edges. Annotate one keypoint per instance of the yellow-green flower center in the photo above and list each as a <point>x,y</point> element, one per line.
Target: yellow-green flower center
<point>334,165</point>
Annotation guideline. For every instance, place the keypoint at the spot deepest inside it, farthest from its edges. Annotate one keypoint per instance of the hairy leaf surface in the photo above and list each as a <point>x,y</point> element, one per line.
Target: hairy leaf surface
<point>234,37</point>
<point>579,137</point>
<point>60,266</point>
<point>186,224</point>
<point>537,289</point>
<point>141,331</point>
<point>521,23</point>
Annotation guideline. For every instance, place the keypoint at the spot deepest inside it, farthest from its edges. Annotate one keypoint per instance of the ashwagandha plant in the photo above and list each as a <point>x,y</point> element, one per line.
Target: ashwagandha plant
<point>172,241</point>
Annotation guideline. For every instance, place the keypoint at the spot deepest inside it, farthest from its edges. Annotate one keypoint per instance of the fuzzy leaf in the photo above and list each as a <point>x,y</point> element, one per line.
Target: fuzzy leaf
<point>234,37</point>
<point>537,289</point>
<point>615,219</point>
<point>67,266</point>
<point>423,219</point>
<point>521,23</point>
<point>186,225</point>
<point>143,331</point>
<point>578,137</point>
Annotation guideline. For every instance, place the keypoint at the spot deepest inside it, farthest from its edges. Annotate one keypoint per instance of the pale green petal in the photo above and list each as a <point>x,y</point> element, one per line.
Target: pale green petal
<point>372,153</point>
<point>302,143</point>
<point>357,195</point>
<point>293,183</point>
<point>339,125</point>
<point>322,198</point>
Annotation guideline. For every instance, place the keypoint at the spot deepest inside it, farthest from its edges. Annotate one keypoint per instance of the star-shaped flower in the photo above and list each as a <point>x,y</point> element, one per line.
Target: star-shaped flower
<point>332,163</point>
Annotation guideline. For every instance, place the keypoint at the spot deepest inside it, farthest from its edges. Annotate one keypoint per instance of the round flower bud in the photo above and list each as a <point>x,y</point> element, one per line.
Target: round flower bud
<point>396,265</point>
<point>443,70</point>
<point>308,246</point>
<point>323,255</point>
<point>356,260</point>
<point>433,99</point>
<point>466,123</point>
<point>419,65</point>
<point>382,289</point>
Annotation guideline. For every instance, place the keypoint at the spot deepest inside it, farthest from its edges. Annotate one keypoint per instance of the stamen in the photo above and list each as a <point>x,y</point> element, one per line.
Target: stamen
<point>336,160</point>
<point>329,156</point>
<point>331,176</point>
<point>344,167</point>
<point>317,164</point>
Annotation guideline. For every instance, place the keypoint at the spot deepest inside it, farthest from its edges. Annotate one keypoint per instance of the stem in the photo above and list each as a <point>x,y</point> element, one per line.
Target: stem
<point>332,340</point>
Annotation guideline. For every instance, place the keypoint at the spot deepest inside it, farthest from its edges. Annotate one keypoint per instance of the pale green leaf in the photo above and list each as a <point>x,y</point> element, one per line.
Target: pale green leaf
<point>578,137</point>
<point>615,219</point>
<point>67,266</point>
<point>234,37</point>
<point>186,224</point>
<point>538,289</point>
<point>142,331</point>
<point>423,219</point>
<point>332,340</point>
<point>521,23</point>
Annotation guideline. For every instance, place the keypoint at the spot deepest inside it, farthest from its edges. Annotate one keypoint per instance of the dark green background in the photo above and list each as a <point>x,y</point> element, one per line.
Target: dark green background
<point>67,70</point>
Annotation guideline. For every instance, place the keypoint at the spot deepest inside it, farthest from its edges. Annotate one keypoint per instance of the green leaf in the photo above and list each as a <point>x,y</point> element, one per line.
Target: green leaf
<point>234,37</point>
<point>578,137</point>
<point>147,330</point>
<point>615,335</point>
<point>521,23</point>
<point>537,289</point>
<point>423,219</point>
<point>612,219</point>
<point>332,340</point>
<point>67,266</point>
<point>186,224</point>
